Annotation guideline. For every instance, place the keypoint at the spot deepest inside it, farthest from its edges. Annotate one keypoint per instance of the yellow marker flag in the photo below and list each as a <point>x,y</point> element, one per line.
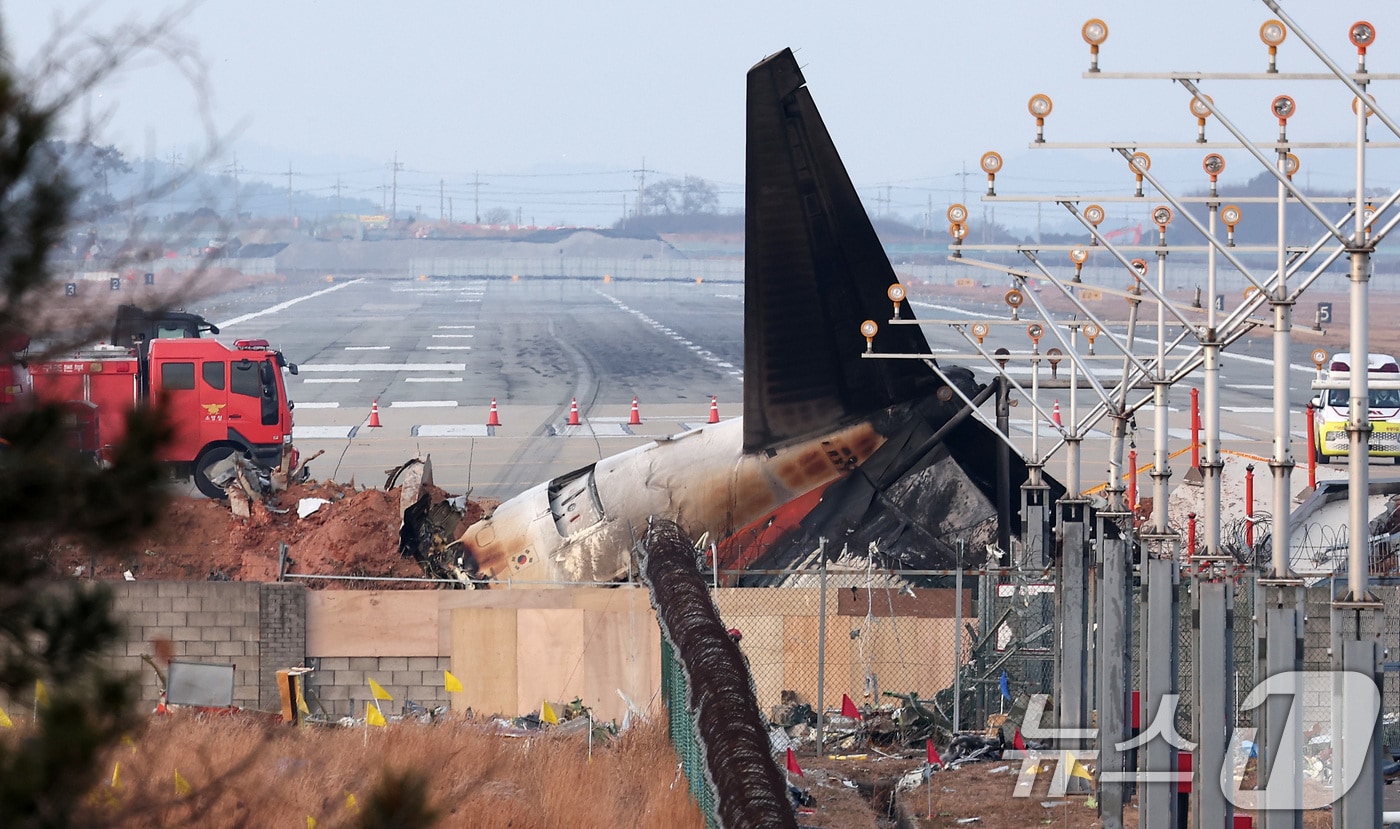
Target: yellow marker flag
<point>378,691</point>
<point>116,776</point>
<point>547,713</point>
<point>1078,769</point>
<point>373,717</point>
<point>182,786</point>
<point>129,743</point>
<point>350,803</point>
<point>301,701</point>
<point>5,721</point>
<point>41,694</point>
<point>451,683</point>
<point>310,822</point>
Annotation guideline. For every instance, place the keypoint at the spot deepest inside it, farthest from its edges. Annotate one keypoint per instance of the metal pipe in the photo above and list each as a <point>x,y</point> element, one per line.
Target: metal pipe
<point>821,652</point>
<point>1161,469</point>
<point>1196,429</point>
<point>1214,464</point>
<point>957,637</point>
<point>1249,506</point>
<point>1282,462</point>
<point>1312,445</point>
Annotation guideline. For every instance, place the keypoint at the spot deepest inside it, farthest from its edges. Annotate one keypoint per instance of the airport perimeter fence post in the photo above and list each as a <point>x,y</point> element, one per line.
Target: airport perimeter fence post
<point>821,653</point>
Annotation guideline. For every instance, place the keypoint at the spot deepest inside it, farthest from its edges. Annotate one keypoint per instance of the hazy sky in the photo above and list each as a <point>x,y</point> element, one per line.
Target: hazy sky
<point>910,90</point>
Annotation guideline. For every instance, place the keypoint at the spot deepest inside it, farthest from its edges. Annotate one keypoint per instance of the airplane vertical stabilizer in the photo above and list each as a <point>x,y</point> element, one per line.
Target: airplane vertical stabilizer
<point>813,271</point>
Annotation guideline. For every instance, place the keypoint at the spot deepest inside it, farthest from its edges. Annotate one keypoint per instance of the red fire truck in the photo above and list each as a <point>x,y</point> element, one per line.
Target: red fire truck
<point>219,400</point>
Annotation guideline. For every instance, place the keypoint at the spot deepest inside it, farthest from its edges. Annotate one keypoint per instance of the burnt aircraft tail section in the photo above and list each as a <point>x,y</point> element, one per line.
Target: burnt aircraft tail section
<point>814,270</point>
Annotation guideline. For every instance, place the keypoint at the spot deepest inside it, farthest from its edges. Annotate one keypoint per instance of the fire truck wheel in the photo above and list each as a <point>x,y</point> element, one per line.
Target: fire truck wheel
<point>207,458</point>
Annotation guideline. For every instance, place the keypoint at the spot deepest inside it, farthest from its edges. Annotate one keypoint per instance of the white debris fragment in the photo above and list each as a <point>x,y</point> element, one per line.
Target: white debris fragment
<point>126,574</point>
<point>307,506</point>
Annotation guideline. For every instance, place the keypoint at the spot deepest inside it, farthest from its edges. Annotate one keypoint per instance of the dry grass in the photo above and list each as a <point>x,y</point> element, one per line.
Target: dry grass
<point>247,773</point>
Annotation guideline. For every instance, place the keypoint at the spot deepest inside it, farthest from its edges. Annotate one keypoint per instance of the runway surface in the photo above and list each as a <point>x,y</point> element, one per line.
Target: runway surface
<point>435,352</point>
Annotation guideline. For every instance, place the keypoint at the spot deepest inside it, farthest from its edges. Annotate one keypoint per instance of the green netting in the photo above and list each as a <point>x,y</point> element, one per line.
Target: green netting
<point>682,729</point>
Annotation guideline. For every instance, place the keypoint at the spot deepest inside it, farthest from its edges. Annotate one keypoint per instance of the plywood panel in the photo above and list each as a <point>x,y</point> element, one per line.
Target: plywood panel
<point>372,623</point>
<point>800,651</point>
<point>611,598</point>
<point>484,658</point>
<point>770,601</point>
<point>549,654</point>
<point>616,649</point>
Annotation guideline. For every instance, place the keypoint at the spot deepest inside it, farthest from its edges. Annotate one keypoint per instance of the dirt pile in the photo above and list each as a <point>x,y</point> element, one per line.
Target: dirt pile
<point>356,533</point>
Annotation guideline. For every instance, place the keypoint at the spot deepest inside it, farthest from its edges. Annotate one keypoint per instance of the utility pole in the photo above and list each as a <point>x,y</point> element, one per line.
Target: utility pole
<point>394,168</point>
<point>337,196</point>
<point>442,198</point>
<point>289,191</point>
<point>641,187</point>
<point>449,210</point>
<point>174,158</point>
<point>476,196</point>
<point>235,170</point>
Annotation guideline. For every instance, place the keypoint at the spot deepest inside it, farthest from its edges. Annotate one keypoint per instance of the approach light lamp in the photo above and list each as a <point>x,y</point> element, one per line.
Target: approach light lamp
<point>1214,165</point>
<point>1201,108</point>
<point>896,294</point>
<point>979,330</point>
<point>1368,214</point>
<point>1273,32</point>
<point>1078,256</point>
<point>1093,214</point>
<point>1230,215</point>
<point>1319,358</point>
<point>1362,34</point>
<point>1035,331</point>
<point>1140,268</point>
<point>958,231</point>
<point>1014,298</point>
<point>1162,216</point>
<point>1095,32</point>
<point>1003,356</point>
<point>957,214</point>
<point>1054,355</point>
<point>1283,107</point>
<point>1290,165</point>
<point>1040,106</point>
<point>1091,333</point>
<point>991,165</point>
<point>1370,110</point>
<point>869,329</point>
<point>1140,163</point>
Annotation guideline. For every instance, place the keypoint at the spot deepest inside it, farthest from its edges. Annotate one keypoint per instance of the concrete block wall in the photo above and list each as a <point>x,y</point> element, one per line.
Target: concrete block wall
<point>341,683</point>
<point>258,628</point>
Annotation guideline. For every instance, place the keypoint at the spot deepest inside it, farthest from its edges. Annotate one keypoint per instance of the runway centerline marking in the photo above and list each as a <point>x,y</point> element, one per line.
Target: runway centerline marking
<point>281,306</point>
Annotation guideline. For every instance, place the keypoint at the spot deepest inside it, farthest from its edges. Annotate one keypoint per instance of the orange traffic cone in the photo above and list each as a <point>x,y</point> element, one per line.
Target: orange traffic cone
<point>573,413</point>
<point>374,415</point>
<point>636,418</point>
<point>493,419</point>
<point>1055,414</point>
<point>714,409</point>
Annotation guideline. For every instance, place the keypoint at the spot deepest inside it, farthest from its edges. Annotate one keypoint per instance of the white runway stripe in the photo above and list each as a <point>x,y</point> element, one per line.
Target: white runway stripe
<point>349,367</point>
<point>331,379</point>
<point>318,405</point>
<point>432,379</point>
<point>424,404</point>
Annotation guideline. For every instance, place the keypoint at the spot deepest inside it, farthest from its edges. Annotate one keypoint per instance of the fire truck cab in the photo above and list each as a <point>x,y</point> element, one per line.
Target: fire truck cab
<point>219,400</point>
<point>1333,409</point>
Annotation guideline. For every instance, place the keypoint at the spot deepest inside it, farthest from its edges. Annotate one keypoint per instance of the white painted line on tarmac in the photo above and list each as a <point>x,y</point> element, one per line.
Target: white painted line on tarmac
<point>432,379</point>
<point>451,336</point>
<point>329,379</point>
<point>1247,409</point>
<point>348,367</point>
<point>449,348</point>
<point>366,348</point>
<point>321,432</point>
<point>451,430</point>
<point>318,405</point>
<point>1269,387</point>
<point>424,404</point>
<point>282,306</point>
<point>588,430</point>
<point>455,327</point>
